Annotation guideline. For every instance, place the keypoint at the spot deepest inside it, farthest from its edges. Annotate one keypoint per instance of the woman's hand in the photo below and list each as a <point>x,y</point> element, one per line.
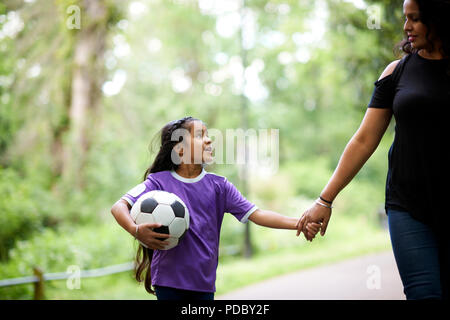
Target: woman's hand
<point>315,214</point>
<point>309,230</point>
<point>150,238</point>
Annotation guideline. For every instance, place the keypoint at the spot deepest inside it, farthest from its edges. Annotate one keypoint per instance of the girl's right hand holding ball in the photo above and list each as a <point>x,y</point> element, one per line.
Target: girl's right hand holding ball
<point>150,238</point>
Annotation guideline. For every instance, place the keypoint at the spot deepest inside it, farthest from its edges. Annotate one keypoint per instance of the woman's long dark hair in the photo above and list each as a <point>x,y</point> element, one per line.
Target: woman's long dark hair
<point>434,14</point>
<point>162,162</point>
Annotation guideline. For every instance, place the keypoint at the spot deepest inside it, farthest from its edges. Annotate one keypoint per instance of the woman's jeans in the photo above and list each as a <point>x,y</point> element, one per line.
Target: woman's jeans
<point>422,259</point>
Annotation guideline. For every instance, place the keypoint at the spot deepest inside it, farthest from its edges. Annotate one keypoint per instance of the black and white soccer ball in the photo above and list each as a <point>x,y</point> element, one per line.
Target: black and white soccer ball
<point>165,208</point>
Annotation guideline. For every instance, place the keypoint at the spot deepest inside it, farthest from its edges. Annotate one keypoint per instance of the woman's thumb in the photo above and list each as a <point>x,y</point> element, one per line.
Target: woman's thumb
<point>323,229</point>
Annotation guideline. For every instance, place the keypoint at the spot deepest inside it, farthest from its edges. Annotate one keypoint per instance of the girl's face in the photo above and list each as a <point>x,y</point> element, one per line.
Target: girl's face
<point>413,27</point>
<point>198,145</point>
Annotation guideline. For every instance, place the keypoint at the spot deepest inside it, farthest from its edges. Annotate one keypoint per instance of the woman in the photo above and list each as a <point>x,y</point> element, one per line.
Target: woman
<point>416,91</point>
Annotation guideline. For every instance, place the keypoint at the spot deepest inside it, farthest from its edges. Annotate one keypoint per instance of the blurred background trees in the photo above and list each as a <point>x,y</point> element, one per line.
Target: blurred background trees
<point>79,106</point>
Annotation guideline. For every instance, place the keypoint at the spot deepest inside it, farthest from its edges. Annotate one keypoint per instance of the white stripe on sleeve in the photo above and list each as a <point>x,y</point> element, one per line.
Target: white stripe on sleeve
<point>249,212</point>
<point>127,200</point>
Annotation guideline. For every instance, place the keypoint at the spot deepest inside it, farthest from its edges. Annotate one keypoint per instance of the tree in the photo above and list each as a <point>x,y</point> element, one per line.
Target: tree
<point>87,78</point>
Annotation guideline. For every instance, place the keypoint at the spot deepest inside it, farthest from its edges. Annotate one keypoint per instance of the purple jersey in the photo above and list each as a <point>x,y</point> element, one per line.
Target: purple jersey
<point>192,264</point>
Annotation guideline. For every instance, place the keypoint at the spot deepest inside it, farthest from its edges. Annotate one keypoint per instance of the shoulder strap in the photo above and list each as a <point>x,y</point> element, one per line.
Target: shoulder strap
<point>399,68</point>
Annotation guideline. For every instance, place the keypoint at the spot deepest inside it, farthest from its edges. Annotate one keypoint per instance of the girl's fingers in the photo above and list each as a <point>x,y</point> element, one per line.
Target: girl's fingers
<point>150,225</point>
<point>160,235</point>
<point>305,230</point>
<point>159,244</point>
<point>315,224</point>
<point>312,229</point>
<point>300,225</point>
<point>306,233</point>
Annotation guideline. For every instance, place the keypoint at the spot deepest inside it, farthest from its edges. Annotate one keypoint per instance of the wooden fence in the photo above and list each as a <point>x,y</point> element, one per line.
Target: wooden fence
<point>39,278</point>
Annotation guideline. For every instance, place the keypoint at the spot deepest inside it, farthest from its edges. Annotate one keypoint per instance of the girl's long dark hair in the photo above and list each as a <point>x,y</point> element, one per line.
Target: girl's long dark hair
<point>162,162</point>
<point>434,15</point>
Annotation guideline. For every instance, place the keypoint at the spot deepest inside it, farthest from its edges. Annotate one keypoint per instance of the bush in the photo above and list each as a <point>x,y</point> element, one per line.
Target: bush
<point>88,247</point>
<point>22,210</point>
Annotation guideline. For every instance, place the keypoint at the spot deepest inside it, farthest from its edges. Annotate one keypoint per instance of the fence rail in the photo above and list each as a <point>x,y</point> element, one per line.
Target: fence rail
<point>39,277</point>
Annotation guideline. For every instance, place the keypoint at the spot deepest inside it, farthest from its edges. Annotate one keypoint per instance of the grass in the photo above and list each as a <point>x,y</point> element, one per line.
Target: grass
<point>342,241</point>
<point>345,238</point>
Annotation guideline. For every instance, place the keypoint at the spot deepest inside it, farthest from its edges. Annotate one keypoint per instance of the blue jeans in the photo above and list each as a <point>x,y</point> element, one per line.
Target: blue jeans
<point>422,259</point>
<point>167,293</point>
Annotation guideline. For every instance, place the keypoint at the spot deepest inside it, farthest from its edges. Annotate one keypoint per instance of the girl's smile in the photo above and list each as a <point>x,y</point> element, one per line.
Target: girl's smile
<point>200,142</point>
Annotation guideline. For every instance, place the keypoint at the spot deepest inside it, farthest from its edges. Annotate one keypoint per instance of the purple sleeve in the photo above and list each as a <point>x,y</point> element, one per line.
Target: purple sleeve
<point>148,185</point>
<point>237,204</point>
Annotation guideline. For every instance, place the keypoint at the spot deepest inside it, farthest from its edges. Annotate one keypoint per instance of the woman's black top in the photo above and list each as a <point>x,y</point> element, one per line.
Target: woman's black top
<point>418,93</point>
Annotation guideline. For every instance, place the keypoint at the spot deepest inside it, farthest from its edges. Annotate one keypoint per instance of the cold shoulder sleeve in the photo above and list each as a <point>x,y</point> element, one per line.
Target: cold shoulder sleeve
<point>383,93</point>
<point>385,88</point>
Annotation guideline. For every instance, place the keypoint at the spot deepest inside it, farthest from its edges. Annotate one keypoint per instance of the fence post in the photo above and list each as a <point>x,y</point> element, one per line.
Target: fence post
<point>39,286</point>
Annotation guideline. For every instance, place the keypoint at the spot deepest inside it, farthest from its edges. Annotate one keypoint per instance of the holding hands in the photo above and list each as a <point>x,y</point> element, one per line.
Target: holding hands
<point>315,218</point>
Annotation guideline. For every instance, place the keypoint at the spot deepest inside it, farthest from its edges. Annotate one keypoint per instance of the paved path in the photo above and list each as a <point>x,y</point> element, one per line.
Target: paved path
<point>371,277</point>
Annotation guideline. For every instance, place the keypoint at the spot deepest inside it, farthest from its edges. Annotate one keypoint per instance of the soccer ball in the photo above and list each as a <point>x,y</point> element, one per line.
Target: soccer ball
<point>165,208</point>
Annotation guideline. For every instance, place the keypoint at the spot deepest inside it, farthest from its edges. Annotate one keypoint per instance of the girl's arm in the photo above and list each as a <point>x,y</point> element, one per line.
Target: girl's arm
<point>275,220</point>
<point>121,212</point>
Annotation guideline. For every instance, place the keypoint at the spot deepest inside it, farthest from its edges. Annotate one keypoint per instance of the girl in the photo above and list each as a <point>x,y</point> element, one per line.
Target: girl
<point>188,271</point>
<point>416,91</point>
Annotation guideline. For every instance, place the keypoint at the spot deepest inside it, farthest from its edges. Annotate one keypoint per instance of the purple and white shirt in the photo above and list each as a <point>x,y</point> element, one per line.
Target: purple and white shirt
<point>192,264</point>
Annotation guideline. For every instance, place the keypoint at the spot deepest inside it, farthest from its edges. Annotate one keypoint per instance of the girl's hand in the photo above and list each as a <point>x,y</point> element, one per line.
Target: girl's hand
<point>150,238</point>
<point>310,229</point>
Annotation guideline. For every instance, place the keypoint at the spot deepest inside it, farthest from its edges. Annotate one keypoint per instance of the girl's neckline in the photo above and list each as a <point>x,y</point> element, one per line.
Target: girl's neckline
<point>188,180</point>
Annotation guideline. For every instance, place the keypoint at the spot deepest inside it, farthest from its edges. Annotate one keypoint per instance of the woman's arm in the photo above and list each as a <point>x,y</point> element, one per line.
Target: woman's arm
<point>361,146</point>
<point>358,150</point>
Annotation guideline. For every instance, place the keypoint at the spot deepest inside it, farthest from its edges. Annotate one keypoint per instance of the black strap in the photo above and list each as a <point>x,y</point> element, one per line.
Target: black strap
<point>330,202</point>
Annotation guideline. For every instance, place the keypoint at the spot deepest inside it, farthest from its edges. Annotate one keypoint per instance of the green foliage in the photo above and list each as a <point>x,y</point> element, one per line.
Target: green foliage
<point>23,210</point>
<point>52,251</point>
<point>308,177</point>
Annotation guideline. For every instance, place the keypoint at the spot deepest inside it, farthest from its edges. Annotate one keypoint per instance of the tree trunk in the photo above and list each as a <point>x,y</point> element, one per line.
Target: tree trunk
<point>87,77</point>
